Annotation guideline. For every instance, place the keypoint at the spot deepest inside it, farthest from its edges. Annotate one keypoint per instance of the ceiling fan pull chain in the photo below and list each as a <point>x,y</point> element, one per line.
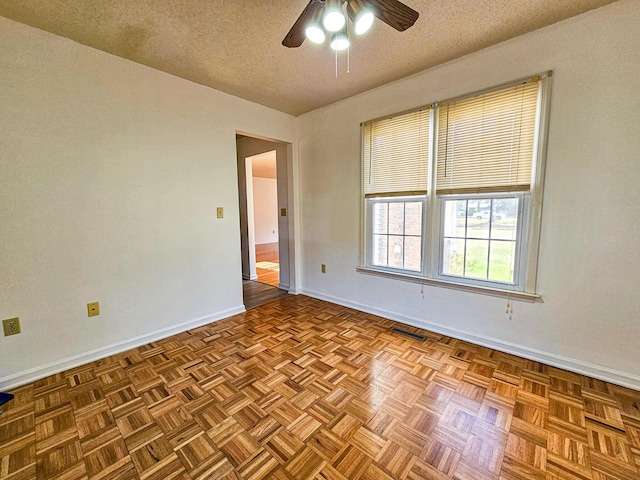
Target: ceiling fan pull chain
<point>336,64</point>
<point>348,52</point>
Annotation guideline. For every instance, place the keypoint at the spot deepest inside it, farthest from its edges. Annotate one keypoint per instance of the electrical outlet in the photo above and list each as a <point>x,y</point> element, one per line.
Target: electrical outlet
<point>220,212</point>
<point>323,268</point>
<point>11,326</point>
<point>93,309</point>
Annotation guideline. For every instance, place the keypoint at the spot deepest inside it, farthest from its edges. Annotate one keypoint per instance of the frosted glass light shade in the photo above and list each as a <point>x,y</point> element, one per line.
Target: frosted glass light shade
<point>315,33</point>
<point>339,41</point>
<point>363,22</point>
<point>333,18</point>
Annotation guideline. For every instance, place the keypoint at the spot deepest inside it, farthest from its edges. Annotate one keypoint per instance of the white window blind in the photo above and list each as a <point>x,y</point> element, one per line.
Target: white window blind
<point>396,155</point>
<point>486,143</point>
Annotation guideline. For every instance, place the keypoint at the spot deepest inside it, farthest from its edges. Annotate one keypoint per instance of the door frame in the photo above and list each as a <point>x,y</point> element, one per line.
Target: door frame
<point>247,146</point>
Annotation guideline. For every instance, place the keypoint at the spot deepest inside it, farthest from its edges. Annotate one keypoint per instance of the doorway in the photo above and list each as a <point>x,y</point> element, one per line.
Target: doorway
<point>266,232</point>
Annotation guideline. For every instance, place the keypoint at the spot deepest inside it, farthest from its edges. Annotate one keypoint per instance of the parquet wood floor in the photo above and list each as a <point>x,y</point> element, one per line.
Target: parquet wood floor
<point>304,389</point>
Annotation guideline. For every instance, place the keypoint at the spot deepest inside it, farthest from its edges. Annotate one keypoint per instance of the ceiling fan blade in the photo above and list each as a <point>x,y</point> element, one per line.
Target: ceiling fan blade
<point>296,35</point>
<point>394,13</point>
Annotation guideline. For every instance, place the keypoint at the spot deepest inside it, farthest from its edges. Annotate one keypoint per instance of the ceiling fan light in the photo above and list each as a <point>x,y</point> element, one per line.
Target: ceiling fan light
<point>315,33</point>
<point>333,17</point>
<point>363,21</point>
<point>361,14</point>
<point>339,41</point>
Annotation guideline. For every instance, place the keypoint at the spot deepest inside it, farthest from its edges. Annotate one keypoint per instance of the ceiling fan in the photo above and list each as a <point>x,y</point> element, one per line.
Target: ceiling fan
<point>321,16</point>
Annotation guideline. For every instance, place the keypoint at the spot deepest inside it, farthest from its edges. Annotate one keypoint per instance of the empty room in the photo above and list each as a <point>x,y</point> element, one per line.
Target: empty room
<point>435,276</point>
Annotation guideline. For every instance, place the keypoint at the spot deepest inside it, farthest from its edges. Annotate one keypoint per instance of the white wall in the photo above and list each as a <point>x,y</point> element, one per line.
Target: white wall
<point>110,175</point>
<point>265,209</point>
<point>589,267</point>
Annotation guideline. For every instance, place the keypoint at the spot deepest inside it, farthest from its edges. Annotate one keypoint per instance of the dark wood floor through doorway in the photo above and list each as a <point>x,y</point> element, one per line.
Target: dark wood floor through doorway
<point>255,293</point>
<point>264,290</point>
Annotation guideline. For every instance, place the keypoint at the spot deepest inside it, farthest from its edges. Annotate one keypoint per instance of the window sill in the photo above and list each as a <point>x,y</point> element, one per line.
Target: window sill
<point>496,292</point>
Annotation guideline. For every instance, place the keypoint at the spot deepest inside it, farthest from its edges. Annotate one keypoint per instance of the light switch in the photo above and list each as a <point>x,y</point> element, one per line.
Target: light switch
<point>220,212</point>
<point>283,212</point>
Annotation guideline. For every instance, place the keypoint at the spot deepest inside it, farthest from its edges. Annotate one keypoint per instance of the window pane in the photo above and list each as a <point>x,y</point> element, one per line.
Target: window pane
<point>413,218</point>
<point>453,257</point>
<point>476,259</point>
<point>412,253</point>
<point>396,251</point>
<point>478,226</point>
<point>478,217</point>
<point>379,250</point>
<point>396,239</point>
<point>486,250</point>
<point>502,261</point>
<point>396,218</point>
<point>477,206</point>
<point>380,217</point>
<point>455,218</point>
<point>505,218</point>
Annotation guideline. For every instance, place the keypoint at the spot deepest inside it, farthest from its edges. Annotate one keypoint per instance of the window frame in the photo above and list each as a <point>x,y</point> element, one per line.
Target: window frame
<point>369,207</point>
<point>520,239</point>
<point>528,233</point>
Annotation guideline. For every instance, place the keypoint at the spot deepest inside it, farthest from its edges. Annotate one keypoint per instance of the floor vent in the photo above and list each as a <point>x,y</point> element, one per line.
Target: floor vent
<point>415,336</point>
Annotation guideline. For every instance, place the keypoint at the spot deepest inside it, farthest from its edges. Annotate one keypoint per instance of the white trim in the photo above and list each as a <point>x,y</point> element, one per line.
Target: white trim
<point>522,227</point>
<point>537,182</point>
<point>370,202</point>
<point>573,365</point>
<point>251,224</point>
<point>440,282</point>
<point>430,242</point>
<point>58,366</point>
<point>283,286</point>
<point>364,207</point>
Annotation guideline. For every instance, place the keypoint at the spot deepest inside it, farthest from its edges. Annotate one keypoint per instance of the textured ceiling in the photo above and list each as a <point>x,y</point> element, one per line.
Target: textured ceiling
<point>234,45</point>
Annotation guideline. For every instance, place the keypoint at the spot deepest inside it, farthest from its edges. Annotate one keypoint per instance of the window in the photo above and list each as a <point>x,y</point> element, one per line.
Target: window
<point>397,234</point>
<point>480,238</point>
<point>453,191</point>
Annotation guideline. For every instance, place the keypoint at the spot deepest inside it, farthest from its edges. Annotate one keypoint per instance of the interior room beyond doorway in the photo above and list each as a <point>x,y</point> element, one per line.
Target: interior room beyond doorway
<point>265,217</point>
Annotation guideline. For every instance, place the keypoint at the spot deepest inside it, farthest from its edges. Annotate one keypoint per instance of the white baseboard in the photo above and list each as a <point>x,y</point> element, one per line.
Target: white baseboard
<point>37,373</point>
<point>571,364</point>
<point>578,366</point>
<point>283,286</point>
